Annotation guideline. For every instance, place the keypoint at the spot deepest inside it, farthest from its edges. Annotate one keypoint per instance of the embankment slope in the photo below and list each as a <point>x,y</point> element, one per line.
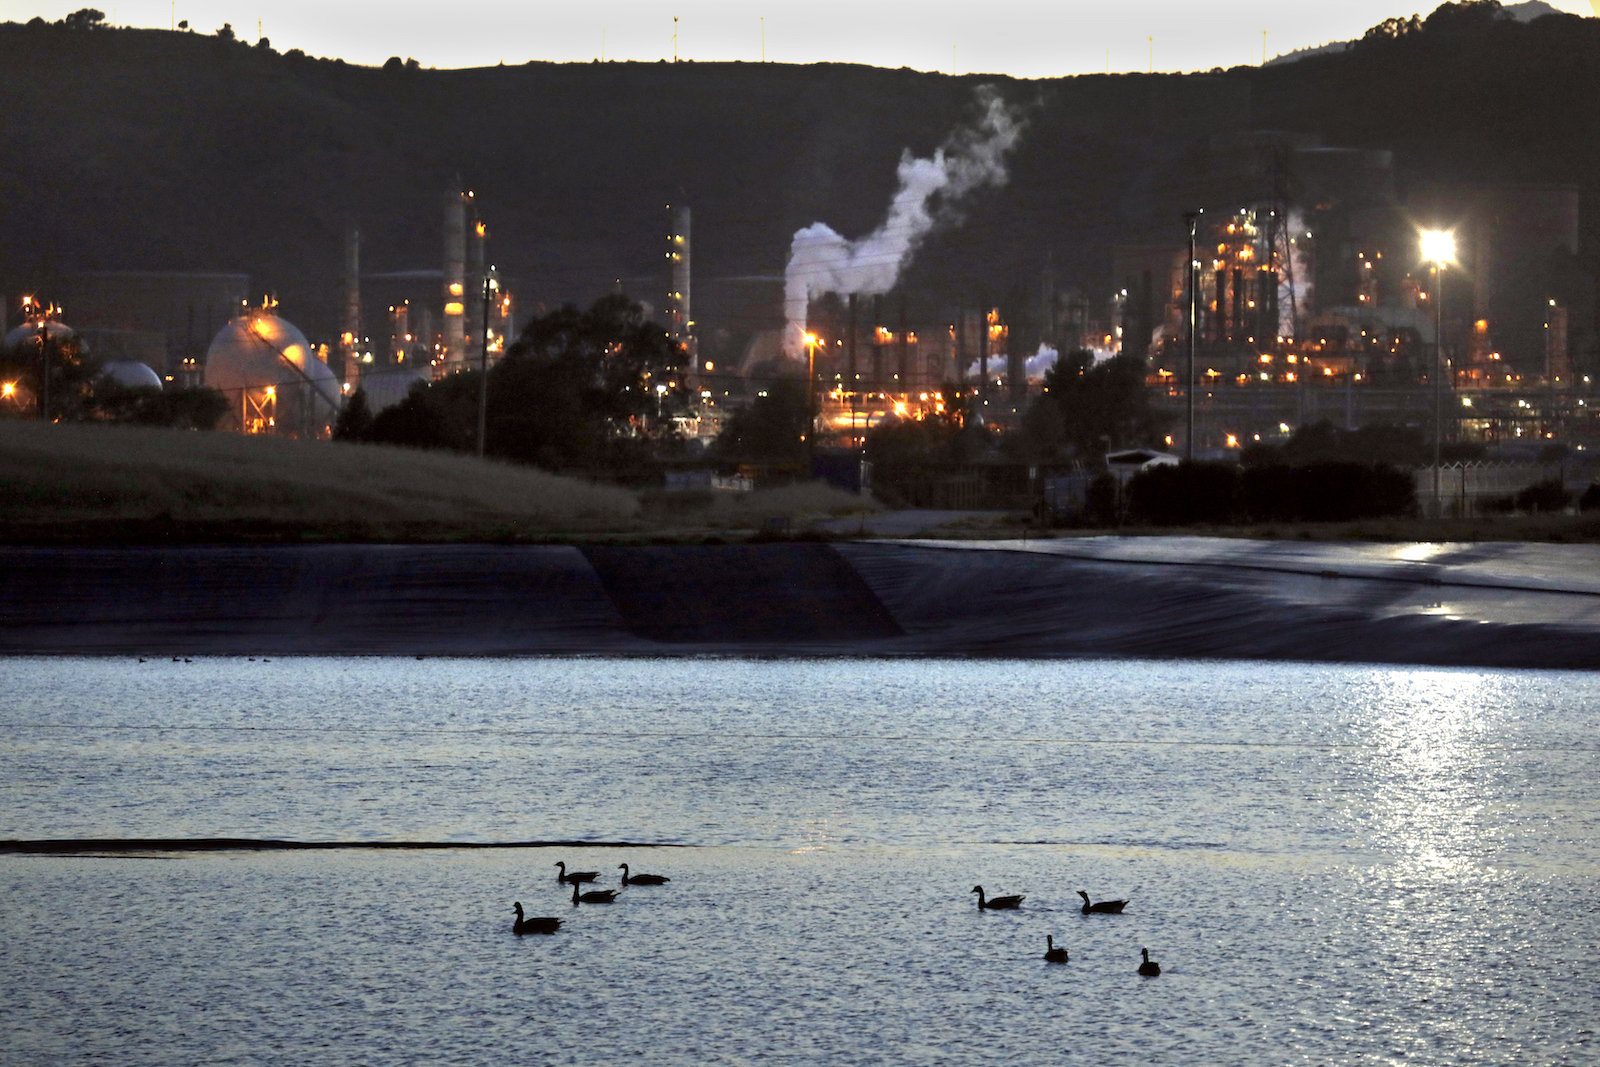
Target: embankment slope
<point>1490,605</point>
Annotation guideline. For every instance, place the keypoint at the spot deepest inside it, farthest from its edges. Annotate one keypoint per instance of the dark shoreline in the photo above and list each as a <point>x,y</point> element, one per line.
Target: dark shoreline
<point>125,845</point>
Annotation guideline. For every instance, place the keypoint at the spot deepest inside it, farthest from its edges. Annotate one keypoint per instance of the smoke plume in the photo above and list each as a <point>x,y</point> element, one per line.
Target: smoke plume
<point>821,261</point>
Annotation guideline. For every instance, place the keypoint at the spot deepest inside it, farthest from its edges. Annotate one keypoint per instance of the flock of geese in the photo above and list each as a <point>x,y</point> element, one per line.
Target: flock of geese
<point>549,924</point>
<point>1149,968</point>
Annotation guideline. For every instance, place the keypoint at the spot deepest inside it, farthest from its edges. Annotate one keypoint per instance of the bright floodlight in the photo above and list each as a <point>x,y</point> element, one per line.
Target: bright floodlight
<point>1438,246</point>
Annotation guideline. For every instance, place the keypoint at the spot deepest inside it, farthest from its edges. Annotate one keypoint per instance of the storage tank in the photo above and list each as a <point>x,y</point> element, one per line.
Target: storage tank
<point>131,373</point>
<point>273,380</point>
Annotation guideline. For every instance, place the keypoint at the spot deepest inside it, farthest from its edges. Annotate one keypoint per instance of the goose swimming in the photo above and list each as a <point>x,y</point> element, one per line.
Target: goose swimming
<point>1105,907</point>
<point>1149,968</point>
<point>576,876</point>
<point>539,924</point>
<point>593,896</point>
<point>998,903</point>
<point>1051,953</point>
<point>641,879</point>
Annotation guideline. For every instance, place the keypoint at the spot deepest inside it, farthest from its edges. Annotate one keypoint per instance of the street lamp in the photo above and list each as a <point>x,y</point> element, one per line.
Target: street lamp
<point>1438,248</point>
<point>811,396</point>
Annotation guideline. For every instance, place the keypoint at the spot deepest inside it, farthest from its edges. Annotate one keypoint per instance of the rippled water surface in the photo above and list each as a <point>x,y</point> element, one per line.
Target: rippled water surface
<point>1334,864</point>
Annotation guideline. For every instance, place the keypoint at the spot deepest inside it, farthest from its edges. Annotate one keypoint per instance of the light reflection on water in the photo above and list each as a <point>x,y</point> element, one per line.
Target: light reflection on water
<point>1334,864</point>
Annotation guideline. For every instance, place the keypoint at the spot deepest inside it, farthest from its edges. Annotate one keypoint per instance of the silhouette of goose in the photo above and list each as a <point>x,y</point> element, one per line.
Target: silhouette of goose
<point>1105,907</point>
<point>1149,968</point>
<point>1051,953</point>
<point>539,924</point>
<point>576,876</point>
<point>593,896</point>
<point>998,903</point>
<point>641,879</point>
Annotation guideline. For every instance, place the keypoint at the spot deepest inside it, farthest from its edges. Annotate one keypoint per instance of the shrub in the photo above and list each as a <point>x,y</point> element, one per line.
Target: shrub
<point>1546,496</point>
<point>1185,494</point>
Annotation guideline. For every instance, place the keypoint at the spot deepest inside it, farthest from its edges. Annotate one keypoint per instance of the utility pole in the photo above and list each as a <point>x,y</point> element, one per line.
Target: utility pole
<point>1263,48</point>
<point>483,374</point>
<point>1152,54</point>
<point>674,38</point>
<point>1193,219</point>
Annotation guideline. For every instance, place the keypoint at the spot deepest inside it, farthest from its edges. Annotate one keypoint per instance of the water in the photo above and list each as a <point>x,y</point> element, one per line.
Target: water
<point>1334,864</point>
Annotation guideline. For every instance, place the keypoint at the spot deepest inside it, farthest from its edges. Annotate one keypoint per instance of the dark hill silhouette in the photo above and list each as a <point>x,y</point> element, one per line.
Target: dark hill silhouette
<point>135,149</point>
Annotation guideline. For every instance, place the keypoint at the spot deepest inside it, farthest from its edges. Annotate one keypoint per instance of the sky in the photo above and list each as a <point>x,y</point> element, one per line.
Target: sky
<point>1022,38</point>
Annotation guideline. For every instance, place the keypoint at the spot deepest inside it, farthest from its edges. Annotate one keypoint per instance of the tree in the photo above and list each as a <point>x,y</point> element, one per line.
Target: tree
<point>225,32</point>
<point>355,421</point>
<point>1103,406</point>
<point>85,18</point>
<point>771,430</point>
<point>578,390</point>
<point>586,388</point>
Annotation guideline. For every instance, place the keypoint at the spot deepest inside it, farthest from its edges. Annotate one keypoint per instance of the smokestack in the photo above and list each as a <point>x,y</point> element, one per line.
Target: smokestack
<point>902,360</point>
<point>350,338</point>
<point>1016,370</point>
<point>877,342</point>
<point>854,380</point>
<point>1236,331</point>
<point>680,323</point>
<point>477,257</point>
<point>679,314</point>
<point>961,346</point>
<point>455,280</point>
<point>983,355</point>
<point>1219,322</point>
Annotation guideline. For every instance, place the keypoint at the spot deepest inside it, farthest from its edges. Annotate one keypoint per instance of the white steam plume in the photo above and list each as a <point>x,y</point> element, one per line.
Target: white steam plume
<point>821,261</point>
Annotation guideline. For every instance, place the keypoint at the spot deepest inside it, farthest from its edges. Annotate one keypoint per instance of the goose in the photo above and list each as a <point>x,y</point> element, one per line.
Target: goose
<point>576,876</point>
<point>539,924</point>
<point>1149,968</point>
<point>1105,907</point>
<point>998,903</point>
<point>1051,953</point>
<point>641,879</point>
<point>593,896</point>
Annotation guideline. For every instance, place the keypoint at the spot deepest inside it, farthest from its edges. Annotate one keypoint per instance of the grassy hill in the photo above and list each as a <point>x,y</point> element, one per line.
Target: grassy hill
<point>143,149</point>
<point>76,483</point>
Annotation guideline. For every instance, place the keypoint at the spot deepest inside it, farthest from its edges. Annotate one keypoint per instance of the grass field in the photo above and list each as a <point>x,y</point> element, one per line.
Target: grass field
<point>119,484</point>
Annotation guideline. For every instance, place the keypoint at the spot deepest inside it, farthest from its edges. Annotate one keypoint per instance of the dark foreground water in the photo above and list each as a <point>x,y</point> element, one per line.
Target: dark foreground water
<point>1334,864</point>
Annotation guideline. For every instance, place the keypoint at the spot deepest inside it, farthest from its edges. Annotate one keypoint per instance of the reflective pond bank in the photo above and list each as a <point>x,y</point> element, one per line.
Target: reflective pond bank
<point>1332,863</point>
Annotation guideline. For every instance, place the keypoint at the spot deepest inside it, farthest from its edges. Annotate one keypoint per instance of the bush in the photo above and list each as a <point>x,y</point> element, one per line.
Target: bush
<point>1325,492</point>
<point>1214,493</point>
<point>1590,500</point>
<point>1546,496</point>
<point>1185,494</point>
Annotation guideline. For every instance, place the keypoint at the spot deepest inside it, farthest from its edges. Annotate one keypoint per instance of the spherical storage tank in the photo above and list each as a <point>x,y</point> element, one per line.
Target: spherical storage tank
<point>131,373</point>
<point>23,341</point>
<point>273,381</point>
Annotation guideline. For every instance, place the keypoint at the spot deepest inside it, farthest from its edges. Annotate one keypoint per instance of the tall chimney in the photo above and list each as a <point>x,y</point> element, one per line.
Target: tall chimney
<point>455,281</point>
<point>983,354</point>
<point>350,338</point>
<point>477,272</point>
<point>679,312</point>
<point>902,352</point>
<point>853,379</point>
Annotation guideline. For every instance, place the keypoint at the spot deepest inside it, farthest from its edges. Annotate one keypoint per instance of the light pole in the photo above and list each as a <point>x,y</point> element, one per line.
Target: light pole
<point>1438,248</point>
<point>811,399</point>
